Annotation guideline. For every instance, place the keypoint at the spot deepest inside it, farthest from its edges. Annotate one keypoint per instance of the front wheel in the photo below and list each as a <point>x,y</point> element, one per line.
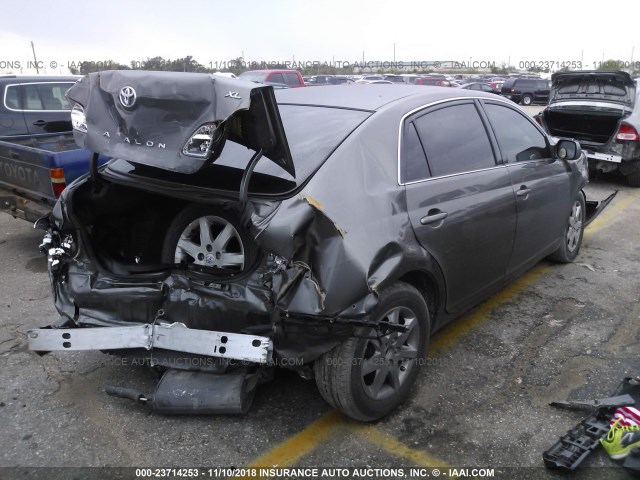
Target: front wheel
<point>572,236</point>
<point>366,378</point>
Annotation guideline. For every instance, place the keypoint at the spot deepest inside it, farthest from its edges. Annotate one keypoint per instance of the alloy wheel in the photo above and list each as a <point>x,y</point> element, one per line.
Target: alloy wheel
<point>213,242</point>
<point>388,360</point>
<point>575,227</point>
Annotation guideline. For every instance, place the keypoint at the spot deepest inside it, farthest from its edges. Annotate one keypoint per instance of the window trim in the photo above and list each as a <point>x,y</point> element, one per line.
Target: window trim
<point>20,93</point>
<point>481,114</point>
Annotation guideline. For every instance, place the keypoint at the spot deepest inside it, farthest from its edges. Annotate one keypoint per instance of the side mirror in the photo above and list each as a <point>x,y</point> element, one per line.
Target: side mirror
<point>568,150</point>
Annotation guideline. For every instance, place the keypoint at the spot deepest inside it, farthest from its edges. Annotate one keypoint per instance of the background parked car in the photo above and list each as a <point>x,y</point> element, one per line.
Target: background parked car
<point>327,80</point>
<point>481,87</point>
<point>433,81</point>
<point>395,78</point>
<point>369,77</point>
<point>383,82</point>
<point>602,111</point>
<point>34,104</point>
<point>526,90</point>
<point>290,78</point>
<point>497,84</point>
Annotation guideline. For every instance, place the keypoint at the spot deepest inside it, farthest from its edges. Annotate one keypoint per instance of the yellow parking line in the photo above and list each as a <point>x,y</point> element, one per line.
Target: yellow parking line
<point>445,338</point>
<point>396,448</point>
<point>609,215</point>
<point>299,445</point>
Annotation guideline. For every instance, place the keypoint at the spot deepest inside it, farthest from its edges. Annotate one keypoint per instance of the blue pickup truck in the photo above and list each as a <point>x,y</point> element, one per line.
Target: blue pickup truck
<point>37,158</point>
<point>34,170</point>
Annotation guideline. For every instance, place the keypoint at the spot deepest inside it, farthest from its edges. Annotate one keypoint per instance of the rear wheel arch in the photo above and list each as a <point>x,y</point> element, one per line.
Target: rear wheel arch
<point>427,285</point>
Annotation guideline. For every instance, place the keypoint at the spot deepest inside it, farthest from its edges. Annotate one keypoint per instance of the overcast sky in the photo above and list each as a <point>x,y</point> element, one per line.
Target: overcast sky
<point>319,30</point>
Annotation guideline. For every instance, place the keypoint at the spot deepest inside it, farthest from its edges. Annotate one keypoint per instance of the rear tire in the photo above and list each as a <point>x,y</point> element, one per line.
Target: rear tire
<point>526,99</point>
<point>366,378</point>
<point>573,231</point>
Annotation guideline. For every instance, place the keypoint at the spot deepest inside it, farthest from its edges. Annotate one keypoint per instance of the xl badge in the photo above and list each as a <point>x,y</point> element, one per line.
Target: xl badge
<point>127,97</point>
<point>233,95</point>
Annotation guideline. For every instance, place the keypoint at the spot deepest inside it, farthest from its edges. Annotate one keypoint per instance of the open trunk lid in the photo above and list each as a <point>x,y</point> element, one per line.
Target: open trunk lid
<point>175,121</point>
<point>600,86</point>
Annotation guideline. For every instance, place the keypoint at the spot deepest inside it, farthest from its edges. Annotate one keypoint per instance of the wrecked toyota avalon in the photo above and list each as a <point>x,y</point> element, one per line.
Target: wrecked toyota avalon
<point>330,231</point>
<point>600,110</point>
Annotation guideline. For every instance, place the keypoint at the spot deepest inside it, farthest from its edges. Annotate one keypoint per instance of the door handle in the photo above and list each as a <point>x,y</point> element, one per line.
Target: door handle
<point>39,123</point>
<point>433,216</point>
<point>523,192</point>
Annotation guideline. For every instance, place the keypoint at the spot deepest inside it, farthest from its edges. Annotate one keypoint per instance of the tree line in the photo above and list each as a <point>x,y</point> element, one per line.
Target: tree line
<point>237,66</point>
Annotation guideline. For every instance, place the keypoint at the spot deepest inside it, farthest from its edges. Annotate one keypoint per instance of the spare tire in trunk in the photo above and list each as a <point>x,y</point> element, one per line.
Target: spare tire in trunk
<point>210,239</point>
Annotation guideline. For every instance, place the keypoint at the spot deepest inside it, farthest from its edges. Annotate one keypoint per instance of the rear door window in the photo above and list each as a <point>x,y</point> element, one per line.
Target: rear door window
<point>414,161</point>
<point>12,98</point>
<point>526,84</point>
<point>455,140</point>
<point>46,96</point>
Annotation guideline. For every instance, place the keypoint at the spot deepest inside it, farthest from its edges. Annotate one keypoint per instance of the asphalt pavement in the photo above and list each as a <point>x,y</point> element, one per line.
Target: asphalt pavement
<point>559,332</point>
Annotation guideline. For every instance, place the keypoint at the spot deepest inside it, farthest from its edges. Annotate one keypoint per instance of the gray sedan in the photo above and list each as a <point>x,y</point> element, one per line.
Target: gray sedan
<point>329,231</point>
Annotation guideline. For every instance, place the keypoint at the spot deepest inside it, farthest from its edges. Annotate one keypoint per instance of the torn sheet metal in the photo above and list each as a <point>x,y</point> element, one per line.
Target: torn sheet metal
<point>338,253</point>
<point>150,117</point>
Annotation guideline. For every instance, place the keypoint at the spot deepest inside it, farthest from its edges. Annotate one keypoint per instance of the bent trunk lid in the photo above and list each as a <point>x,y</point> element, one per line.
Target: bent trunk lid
<point>149,117</point>
<point>600,86</point>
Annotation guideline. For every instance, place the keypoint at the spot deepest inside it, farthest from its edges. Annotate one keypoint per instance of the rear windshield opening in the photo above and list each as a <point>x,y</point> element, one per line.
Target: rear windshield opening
<point>313,133</point>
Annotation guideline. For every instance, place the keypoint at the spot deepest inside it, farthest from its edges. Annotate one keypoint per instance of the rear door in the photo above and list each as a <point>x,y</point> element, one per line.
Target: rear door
<point>45,107</point>
<point>541,183</point>
<point>460,201</point>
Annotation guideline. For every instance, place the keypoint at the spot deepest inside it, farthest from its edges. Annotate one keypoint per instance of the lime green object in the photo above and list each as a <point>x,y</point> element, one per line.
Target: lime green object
<point>621,440</point>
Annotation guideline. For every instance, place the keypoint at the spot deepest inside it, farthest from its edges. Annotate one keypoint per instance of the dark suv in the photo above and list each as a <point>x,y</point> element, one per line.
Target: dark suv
<point>526,90</point>
<point>34,104</point>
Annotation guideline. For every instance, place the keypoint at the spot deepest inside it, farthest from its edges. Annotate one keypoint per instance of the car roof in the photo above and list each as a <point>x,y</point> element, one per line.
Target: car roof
<point>370,97</point>
<point>10,78</point>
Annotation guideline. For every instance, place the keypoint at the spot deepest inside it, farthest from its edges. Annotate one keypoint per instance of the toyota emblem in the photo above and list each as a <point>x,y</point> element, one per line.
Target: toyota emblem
<point>127,97</point>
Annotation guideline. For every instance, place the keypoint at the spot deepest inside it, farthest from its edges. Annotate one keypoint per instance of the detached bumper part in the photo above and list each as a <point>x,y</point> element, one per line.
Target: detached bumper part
<point>175,336</point>
<point>182,393</point>
<point>572,448</point>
